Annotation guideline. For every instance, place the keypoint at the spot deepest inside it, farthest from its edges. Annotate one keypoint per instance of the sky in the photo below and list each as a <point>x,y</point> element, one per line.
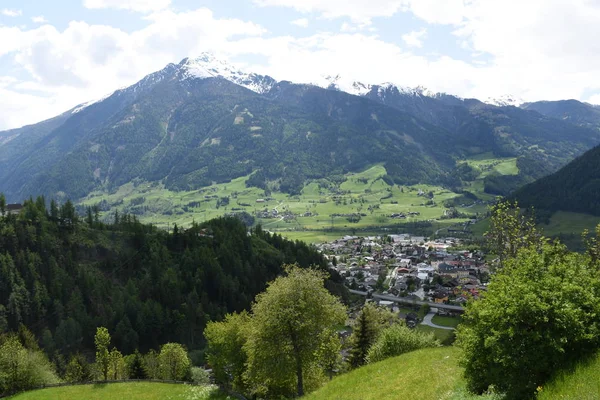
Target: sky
<point>57,54</point>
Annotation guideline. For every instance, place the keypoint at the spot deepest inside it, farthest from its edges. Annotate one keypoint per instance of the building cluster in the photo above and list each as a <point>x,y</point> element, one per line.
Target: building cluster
<point>438,271</point>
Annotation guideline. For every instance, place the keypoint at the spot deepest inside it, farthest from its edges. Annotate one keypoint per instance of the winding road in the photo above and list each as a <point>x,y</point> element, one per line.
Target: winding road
<point>427,320</point>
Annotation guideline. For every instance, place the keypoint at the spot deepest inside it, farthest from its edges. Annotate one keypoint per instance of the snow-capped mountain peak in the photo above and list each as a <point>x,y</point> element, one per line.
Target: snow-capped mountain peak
<point>208,66</point>
<point>505,100</point>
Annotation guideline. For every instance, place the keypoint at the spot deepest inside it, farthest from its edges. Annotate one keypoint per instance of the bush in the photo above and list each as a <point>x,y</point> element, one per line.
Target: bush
<point>200,376</point>
<point>540,313</point>
<point>399,339</point>
<point>22,368</point>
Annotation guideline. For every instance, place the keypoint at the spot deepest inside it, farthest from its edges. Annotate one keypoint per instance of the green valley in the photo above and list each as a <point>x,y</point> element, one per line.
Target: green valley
<point>366,202</point>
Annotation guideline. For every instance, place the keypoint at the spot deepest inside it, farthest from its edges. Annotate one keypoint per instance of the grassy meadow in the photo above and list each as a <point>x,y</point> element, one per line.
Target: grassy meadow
<point>428,374</point>
<point>129,391</point>
<point>365,193</point>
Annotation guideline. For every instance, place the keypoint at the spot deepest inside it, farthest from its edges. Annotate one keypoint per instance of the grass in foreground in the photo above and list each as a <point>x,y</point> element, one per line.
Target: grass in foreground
<point>581,384</point>
<point>129,391</point>
<point>423,374</point>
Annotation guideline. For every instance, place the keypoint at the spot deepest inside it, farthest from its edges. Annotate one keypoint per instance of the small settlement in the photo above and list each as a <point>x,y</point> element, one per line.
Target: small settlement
<point>409,266</point>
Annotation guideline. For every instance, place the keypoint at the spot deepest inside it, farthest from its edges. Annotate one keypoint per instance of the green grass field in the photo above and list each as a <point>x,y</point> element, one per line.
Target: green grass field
<point>442,335</point>
<point>581,384</point>
<point>129,391</point>
<point>568,222</point>
<point>429,374</point>
<point>363,193</point>
<point>446,321</point>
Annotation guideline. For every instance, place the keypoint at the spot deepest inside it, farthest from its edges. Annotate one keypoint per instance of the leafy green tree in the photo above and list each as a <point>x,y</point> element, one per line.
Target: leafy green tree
<point>291,321</point>
<point>225,349</point>
<point>102,341</point>
<point>151,365</point>
<point>511,230</point>
<point>2,204</point>
<point>540,313</point>
<point>22,368</point>
<point>117,368</point>
<point>370,322</point>
<point>399,339</point>
<point>78,370</point>
<point>174,362</point>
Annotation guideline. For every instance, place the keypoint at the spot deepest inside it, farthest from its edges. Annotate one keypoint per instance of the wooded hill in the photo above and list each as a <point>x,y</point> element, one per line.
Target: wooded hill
<point>576,187</point>
<point>62,276</point>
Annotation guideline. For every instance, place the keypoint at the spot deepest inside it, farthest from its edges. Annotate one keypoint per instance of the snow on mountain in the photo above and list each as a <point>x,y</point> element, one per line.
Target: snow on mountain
<point>505,100</point>
<point>208,66</point>
<point>337,82</point>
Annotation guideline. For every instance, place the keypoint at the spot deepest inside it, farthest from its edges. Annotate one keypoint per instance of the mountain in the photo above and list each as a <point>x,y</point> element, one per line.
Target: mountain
<point>571,111</point>
<point>203,121</point>
<point>576,187</point>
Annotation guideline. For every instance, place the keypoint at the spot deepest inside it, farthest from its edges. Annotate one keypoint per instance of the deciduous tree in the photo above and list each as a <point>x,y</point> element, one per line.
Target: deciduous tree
<point>174,362</point>
<point>102,341</point>
<point>291,322</point>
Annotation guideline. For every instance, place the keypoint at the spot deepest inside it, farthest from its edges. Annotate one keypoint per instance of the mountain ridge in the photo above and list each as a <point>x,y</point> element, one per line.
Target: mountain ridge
<point>202,121</point>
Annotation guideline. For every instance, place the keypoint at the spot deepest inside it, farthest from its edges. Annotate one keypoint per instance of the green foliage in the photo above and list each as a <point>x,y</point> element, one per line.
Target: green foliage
<point>574,188</point>
<point>200,376</point>
<point>370,322</point>
<point>117,368</point>
<point>399,339</point>
<point>135,366</point>
<point>151,365</point>
<point>511,230</point>
<point>174,362</point>
<point>538,315</point>
<point>291,323</point>
<point>78,370</point>
<point>144,285</point>
<point>102,341</point>
<point>226,354</point>
<point>22,368</point>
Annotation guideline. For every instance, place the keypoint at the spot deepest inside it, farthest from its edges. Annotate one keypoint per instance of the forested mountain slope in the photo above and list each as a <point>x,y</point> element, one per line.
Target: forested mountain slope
<point>62,277</point>
<point>576,187</point>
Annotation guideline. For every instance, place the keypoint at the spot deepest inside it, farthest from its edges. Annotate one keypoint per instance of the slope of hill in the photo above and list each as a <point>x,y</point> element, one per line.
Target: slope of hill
<point>576,187</point>
<point>428,374</point>
<point>63,278</point>
<point>202,121</point>
<point>583,383</point>
<point>130,390</point>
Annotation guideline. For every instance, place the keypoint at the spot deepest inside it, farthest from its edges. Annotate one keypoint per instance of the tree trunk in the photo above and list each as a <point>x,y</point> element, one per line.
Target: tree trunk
<point>299,375</point>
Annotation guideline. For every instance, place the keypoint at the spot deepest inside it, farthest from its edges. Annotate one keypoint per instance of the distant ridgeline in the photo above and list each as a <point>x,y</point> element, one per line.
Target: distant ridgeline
<point>62,276</point>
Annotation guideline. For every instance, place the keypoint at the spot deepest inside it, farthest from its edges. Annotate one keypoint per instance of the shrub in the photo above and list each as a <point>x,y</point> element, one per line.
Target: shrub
<point>200,376</point>
<point>399,339</point>
<point>540,313</point>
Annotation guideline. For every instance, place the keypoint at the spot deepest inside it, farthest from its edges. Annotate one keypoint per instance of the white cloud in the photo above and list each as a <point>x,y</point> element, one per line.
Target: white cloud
<point>301,22</point>
<point>415,38</point>
<point>360,11</point>
<point>40,19</point>
<point>11,13</point>
<point>143,6</point>
<point>538,49</point>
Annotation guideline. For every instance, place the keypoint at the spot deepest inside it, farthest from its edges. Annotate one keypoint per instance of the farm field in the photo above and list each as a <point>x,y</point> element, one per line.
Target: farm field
<point>362,203</point>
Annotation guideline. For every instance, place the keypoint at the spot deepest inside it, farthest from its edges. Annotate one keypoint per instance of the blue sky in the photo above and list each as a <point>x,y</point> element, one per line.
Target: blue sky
<point>55,55</point>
